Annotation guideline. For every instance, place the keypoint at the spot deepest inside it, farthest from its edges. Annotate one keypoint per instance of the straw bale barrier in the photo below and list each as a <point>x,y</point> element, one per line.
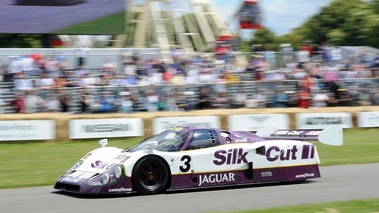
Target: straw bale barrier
<point>61,120</point>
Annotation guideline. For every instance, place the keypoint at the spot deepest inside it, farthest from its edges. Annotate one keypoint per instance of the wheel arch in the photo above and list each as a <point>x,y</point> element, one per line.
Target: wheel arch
<point>168,185</point>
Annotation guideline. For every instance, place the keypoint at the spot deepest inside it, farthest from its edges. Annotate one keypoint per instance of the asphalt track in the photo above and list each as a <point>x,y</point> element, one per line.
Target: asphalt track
<point>337,184</point>
<point>45,19</point>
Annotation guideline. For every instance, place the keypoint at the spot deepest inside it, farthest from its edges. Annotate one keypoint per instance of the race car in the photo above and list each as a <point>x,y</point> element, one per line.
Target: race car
<point>196,157</point>
<point>49,2</point>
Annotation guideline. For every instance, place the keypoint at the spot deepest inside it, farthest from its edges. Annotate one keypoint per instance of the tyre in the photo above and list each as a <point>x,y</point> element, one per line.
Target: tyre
<point>150,175</point>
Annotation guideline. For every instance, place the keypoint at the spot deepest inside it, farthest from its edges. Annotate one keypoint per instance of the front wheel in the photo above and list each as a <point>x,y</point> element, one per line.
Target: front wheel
<point>150,175</point>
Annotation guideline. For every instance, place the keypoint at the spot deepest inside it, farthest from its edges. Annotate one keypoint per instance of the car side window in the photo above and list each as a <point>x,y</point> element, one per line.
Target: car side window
<point>203,138</point>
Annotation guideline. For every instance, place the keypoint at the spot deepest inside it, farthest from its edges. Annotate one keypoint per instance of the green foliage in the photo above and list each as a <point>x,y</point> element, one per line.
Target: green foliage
<point>20,41</point>
<point>342,23</point>
<point>265,37</point>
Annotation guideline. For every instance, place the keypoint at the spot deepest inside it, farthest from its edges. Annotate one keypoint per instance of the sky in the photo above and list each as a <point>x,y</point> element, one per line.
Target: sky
<point>280,16</point>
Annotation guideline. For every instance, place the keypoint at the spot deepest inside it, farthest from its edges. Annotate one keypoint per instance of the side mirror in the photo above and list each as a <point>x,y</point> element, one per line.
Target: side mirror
<point>103,142</point>
<point>152,144</point>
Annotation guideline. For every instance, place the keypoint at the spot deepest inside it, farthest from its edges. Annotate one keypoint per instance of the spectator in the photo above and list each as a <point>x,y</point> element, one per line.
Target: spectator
<point>19,103</point>
<point>88,81</point>
<point>81,53</point>
<point>222,101</point>
<point>161,104</point>
<point>171,102</point>
<point>45,84</point>
<point>344,98</point>
<point>107,103</point>
<point>23,83</point>
<point>2,106</point>
<point>152,99</point>
<point>375,98</point>
<point>61,81</point>
<point>304,99</point>
<point>52,104</point>
<point>33,102</point>
<point>126,103</point>
<point>204,101</point>
<point>109,67</point>
<point>7,76</point>
<point>281,99</point>
<point>320,99</point>
<point>86,101</point>
<point>183,101</point>
<point>64,101</point>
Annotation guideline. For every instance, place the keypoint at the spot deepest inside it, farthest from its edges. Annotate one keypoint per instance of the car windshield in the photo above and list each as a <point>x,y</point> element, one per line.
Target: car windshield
<point>169,141</point>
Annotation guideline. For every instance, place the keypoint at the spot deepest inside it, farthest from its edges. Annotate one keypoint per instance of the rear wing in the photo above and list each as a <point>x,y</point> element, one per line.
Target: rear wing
<point>331,136</point>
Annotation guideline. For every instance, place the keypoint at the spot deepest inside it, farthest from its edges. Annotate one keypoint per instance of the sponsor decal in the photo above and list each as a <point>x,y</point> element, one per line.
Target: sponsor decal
<point>231,156</point>
<point>241,140</point>
<point>120,157</point>
<point>274,153</point>
<point>216,178</point>
<point>99,164</point>
<point>305,175</point>
<point>122,189</point>
<point>266,174</point>
<point>17,127</point>
<point>89,128</point>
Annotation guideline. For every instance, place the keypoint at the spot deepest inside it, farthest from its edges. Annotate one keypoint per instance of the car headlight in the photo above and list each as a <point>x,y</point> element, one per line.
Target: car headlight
<point>118,172</point>
<point>112,175</point>
<point>105,179</point>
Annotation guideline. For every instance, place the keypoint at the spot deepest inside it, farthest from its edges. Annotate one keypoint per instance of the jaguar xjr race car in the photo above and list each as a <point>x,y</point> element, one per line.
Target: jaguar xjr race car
<point>194,157</point>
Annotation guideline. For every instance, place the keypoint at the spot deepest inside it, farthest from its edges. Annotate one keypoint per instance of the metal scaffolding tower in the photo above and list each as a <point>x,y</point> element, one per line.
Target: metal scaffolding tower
<point>193,25</point>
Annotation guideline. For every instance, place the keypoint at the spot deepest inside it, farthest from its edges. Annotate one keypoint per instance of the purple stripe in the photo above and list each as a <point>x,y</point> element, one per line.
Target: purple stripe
<point>305,153</point>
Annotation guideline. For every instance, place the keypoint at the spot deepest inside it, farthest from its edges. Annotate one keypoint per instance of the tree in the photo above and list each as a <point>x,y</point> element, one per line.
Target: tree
<point>264,37</point>
<point>20,41</point>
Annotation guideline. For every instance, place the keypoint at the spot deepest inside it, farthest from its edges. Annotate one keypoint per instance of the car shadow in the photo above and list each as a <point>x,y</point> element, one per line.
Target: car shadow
<point>180,191</point>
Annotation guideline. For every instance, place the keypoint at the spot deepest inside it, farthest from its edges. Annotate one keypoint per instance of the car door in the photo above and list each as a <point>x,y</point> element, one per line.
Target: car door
<point>210,162</point>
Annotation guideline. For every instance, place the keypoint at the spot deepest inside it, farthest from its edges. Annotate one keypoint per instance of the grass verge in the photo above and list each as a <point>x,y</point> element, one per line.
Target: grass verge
<point>351,206</point>
<point>36,164</point>
<point>109,25</point>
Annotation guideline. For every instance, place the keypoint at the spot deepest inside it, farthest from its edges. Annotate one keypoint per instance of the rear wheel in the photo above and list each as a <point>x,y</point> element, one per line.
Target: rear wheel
<point>150,175</point>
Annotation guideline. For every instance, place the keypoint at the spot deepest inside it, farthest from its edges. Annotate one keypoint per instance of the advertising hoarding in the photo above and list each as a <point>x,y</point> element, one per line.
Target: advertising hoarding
<point>27,130</point>
<point>105,128</point>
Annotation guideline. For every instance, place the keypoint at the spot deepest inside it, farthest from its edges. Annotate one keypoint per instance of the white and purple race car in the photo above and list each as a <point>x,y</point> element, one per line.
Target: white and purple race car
<point>195,157</point>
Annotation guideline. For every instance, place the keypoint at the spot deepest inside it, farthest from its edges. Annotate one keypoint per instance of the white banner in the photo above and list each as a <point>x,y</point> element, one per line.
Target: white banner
<point>25,130</point>
<point>253,122</point>
<point>163,123</point>
<point>368,119</point>
<point>106,128</point>
<point>323,120</point>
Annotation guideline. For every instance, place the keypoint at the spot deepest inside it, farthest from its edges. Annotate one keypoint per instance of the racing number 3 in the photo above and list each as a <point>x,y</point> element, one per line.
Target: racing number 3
<point>187,166</point>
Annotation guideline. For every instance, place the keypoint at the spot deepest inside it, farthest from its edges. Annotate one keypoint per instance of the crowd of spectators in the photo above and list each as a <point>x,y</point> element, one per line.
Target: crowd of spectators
<point>318,79</point>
